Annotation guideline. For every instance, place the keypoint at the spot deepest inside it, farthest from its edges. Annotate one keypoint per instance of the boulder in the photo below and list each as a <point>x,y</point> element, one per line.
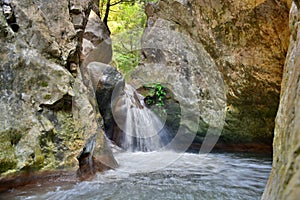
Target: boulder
<point>108,84</point>
<point>48,110</point>
<point>227,55</point>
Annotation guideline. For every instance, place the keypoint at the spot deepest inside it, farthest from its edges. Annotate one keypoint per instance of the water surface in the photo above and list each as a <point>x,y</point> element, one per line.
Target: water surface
<point>165,175</point>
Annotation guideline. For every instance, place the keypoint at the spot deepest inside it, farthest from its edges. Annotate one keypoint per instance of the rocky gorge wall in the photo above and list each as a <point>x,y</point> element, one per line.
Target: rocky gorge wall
<point>256,50</point>
<point>232,50</point>
<point>231,54</point>
<point>285,176</point>
<point>48,108</point>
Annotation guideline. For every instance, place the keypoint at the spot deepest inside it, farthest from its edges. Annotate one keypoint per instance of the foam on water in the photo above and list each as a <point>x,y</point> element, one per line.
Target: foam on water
<point>166,175</point>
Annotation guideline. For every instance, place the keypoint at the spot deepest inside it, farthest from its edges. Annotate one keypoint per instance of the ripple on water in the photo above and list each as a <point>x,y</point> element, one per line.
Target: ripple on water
<point>166,175</point>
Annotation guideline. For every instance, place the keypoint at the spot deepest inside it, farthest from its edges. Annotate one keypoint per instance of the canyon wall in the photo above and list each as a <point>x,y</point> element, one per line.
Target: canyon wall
<point>231,54</point>
<point>285,176</point>
<point>48,109</point>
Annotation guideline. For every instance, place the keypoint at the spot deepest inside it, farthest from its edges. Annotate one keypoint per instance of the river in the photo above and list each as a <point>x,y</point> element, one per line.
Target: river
<point>165,175</point>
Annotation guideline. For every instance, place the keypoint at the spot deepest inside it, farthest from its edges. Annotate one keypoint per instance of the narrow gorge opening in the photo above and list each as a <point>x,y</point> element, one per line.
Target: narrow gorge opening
<point>144,99</point>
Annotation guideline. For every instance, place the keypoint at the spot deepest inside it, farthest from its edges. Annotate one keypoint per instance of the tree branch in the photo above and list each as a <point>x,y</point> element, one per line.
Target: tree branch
<point>122,1</point>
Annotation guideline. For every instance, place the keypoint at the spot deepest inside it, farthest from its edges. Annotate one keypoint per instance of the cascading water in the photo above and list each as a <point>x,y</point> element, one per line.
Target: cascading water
<point>142,129</point>
<point>127,120</point>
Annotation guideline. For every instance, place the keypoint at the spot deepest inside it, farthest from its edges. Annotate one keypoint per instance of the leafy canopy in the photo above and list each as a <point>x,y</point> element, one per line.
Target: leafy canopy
<point>126,20</point>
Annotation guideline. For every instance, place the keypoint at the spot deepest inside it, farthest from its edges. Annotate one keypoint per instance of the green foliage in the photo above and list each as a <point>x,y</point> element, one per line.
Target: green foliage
<point>126,23</point>
<point>156,94</point>
<point>47,96</point>
<point>126,20</point>
<point>124,17</point>
<point>44,84</point>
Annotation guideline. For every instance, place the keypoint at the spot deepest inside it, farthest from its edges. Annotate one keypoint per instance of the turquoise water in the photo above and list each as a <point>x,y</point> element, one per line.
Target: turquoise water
<point>165,175</point>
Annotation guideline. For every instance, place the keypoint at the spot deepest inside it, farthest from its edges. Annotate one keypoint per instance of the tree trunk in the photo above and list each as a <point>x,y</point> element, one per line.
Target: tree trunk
<point>105,19</point>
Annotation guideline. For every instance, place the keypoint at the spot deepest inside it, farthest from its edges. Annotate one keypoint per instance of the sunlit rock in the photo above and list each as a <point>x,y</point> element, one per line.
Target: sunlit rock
<point>285,176</point>
<point>48,110</point>
<point>240,43</point>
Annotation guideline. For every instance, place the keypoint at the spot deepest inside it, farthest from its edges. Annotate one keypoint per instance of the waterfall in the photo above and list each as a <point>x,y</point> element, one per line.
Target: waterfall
<point>127,120</point>
<point>141,128</point>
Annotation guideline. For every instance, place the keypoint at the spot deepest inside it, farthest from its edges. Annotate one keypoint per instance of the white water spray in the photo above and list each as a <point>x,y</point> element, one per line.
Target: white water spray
<point>142,129</point>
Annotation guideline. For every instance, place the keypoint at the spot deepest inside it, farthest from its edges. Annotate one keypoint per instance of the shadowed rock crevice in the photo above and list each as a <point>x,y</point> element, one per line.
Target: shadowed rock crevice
<point>107,80</point>
<point>10,17</point>
<point>95,46</point>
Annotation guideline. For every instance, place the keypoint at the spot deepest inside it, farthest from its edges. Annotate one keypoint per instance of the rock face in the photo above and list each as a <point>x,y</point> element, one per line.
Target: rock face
<point>109,84</point>
<point>47,114</point>
<point>227,54</point>
<point>285,176</point>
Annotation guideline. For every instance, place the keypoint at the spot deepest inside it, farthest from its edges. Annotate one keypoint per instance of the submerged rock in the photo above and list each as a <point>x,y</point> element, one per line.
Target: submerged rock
<point>285,176</point>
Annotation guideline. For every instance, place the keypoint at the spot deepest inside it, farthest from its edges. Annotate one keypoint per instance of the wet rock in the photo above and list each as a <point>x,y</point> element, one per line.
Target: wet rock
<point>285,176</point>
<point>164,105</point>
<point>108,84</point>
<point>30,180</point>
<point>91,161</point>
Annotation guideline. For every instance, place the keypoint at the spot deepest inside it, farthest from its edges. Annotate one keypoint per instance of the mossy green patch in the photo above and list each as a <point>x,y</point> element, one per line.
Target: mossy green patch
<point>7,153</point>
<point>44,84</point>
<point>15,137</point>
<point>38,157</point>
<point>7,164</point>
<point>47,96</point>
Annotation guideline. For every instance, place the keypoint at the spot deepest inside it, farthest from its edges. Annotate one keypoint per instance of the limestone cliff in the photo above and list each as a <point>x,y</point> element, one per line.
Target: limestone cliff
<point>285,176</point>
<point>231,53</point>
<point>47,107</point>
